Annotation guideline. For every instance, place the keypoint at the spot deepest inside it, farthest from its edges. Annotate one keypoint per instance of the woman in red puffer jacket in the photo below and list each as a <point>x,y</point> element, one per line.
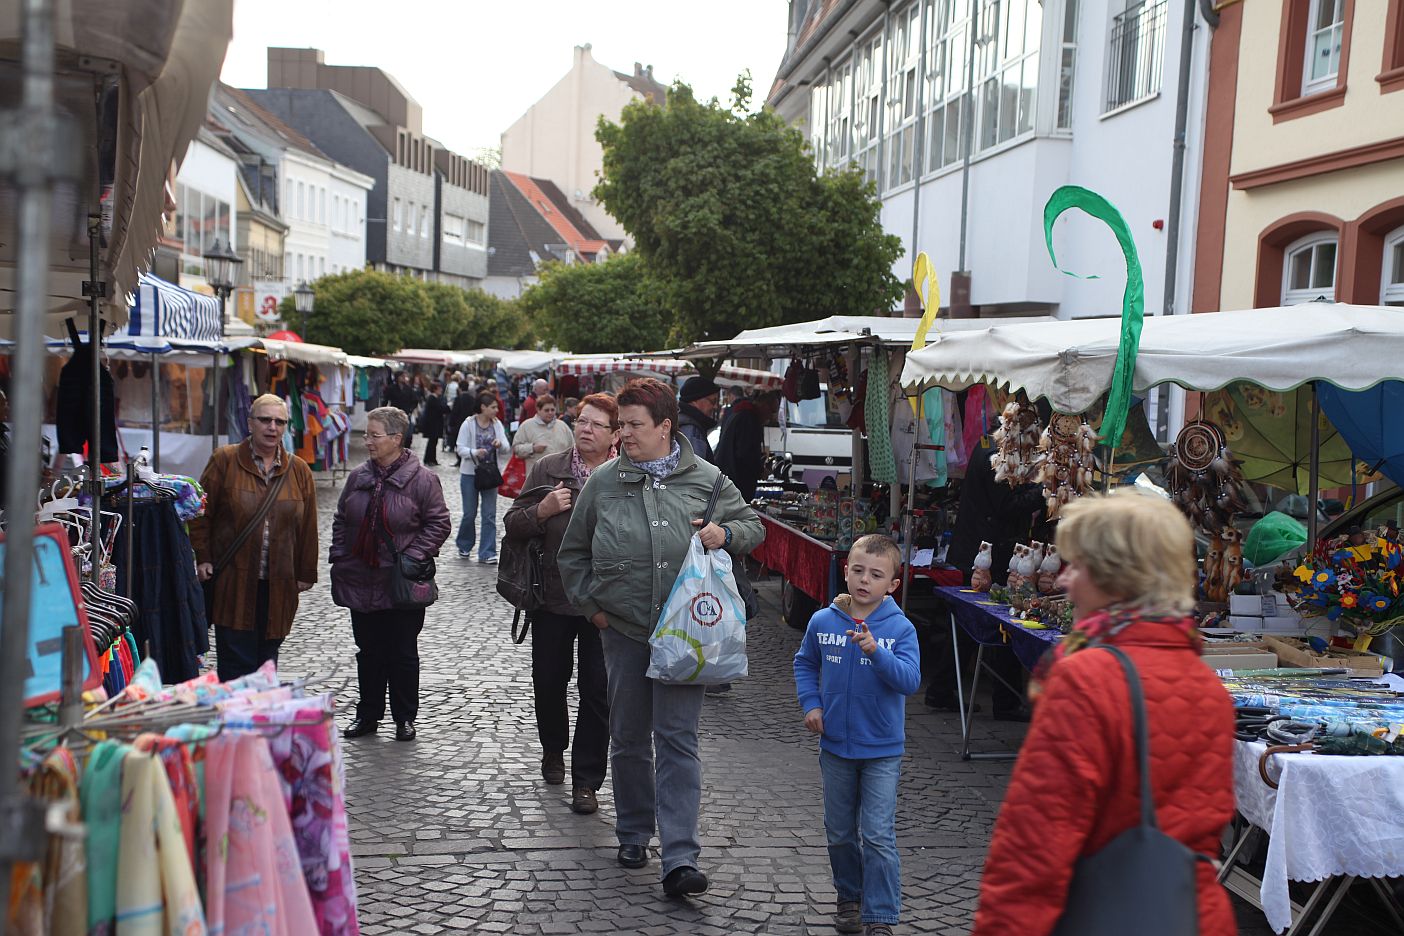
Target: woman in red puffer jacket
<point>1130,574</point>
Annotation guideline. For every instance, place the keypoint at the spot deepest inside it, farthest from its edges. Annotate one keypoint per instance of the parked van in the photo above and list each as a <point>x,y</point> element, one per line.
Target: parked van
<point>817,441</point>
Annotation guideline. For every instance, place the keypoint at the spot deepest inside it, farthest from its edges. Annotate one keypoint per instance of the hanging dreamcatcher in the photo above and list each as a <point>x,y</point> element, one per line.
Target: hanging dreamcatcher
<point>1205,483</point>
<point>1067,461</point>
<point>1016,460</point>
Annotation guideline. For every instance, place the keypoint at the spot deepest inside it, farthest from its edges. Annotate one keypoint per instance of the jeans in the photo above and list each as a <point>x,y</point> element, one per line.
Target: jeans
<point>553,652</point>
<point>240,652</point>
<point>387,656</point>
<point>653,736</point>
<point>860,802</point>
<point>487,541</point>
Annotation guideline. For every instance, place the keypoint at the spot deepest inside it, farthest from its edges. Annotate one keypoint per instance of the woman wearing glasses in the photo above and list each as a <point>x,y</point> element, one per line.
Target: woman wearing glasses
<point>391,497</point>
<point>543,511</point>
<point>256,493</point>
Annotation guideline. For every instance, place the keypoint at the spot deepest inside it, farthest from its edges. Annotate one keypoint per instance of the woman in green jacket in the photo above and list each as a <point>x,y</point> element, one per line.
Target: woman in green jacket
<point>626,542</point>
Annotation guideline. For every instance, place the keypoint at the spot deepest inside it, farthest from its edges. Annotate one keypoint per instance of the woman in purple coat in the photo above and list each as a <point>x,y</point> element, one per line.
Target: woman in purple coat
<point>391,493</point>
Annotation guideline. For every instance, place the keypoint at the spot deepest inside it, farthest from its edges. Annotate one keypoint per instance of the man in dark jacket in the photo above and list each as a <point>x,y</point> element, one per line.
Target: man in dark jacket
<point>465,405</point>
<point>431,422</point>
<point>741,449</point>
<point>697,414</point>
<point>403,395</point>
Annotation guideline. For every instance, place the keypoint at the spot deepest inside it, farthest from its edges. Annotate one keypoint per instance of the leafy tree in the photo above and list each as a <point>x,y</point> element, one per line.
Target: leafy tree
<point>598,307</point>
<point>364,311</point>
<point>494,323</point>
<point>734,224</point>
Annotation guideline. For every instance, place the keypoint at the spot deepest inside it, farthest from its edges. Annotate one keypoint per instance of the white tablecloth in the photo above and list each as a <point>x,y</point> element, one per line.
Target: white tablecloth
<point>1330,816</point>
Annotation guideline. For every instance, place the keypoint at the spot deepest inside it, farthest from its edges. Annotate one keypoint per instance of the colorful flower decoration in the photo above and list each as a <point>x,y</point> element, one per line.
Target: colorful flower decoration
<point>1348,599</point>
<point>1357,585</point>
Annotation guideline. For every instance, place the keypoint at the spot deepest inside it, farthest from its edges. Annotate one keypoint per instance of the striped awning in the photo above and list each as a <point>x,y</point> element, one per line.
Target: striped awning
<point>605,364</point>
<point>163,310</point>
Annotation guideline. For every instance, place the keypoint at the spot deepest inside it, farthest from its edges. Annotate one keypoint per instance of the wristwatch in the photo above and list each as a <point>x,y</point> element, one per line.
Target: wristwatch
<point>728,537</point>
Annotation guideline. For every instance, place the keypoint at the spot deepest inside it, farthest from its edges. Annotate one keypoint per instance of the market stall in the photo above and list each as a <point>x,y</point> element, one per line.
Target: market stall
<point>319,385</point>
<point>614,368</point>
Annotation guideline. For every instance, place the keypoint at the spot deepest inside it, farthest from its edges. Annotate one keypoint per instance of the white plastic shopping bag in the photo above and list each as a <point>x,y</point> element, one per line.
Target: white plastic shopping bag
<point>701,635</point>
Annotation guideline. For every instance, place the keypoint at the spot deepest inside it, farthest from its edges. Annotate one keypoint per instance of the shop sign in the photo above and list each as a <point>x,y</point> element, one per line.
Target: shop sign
<point>267,294</point>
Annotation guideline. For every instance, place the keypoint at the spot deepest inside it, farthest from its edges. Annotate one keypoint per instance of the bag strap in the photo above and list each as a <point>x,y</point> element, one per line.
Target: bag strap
<point>389,541</point>
<point>255,521</point>
<point>1140,731</point>
<point>519,636</point>
<point>712,501</point>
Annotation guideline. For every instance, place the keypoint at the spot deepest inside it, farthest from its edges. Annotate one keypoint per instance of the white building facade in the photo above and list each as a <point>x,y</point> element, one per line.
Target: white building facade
<point>346,218</point>
<point>206,205</point>
<point>324,206</point>
<point>1067,92</point>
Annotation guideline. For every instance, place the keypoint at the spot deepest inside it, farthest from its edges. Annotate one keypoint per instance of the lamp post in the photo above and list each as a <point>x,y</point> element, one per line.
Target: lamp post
<point>304,299</point>
<point>221,266</point>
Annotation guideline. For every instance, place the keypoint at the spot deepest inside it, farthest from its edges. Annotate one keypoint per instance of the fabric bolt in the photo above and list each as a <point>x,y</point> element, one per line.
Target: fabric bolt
<point>860,814</point>
<point>172,603</point>
<point>1314,832</point>
<point>156,890</point>
<point>555,641</point>
<point>254,878</point>
<point>387,658</point>
<point>657,771</point>
<point>976,419</point>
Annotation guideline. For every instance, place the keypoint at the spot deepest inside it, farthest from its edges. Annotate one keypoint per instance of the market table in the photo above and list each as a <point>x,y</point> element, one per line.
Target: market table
<point>1332,819</point>
<point>989,624</point>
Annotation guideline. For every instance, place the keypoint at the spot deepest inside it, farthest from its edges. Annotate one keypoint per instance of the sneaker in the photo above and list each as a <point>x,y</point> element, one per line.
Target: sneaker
<point>490,560</point>
<point>877,929</point>
<point>849,918</point>
<point>464,555</point>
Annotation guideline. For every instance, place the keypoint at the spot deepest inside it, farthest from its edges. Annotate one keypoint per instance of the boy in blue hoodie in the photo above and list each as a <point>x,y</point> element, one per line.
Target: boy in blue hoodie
<point>854,670</point>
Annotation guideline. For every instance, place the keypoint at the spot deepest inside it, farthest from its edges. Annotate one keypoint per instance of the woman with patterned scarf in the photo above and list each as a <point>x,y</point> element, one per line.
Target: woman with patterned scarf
<point>390,497</point>
<point>1131,577</point>
<point>558,628</point>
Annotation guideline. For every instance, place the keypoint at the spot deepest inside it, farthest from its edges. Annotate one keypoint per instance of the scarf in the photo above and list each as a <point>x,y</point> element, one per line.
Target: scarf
<point>578,469</point>
<point>368,541</point>
<point>660,468</point>
<point>1103,627</point>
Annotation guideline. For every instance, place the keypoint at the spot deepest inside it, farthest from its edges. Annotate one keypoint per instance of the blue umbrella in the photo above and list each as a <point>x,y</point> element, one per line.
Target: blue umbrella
<point>1371,422</point>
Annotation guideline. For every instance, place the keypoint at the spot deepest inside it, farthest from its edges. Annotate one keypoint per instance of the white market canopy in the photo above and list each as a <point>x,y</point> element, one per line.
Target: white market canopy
<point>1070,362</point>
<point>781,341</point>
<point>436,357</point>
<point>529,362</point>
<point>663,369</point>
<point>303,353</point>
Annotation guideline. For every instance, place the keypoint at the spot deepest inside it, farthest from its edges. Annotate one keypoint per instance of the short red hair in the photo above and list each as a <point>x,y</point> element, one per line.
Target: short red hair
<point>605,404</point>
<point>654,396</point>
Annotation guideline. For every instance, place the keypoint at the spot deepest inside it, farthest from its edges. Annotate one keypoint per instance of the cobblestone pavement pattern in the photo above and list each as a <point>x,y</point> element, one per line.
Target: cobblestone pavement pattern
<point>456,832</point>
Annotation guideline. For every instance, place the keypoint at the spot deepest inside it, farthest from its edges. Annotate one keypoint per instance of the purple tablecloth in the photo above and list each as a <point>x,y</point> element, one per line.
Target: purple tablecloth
<point>991,623</point>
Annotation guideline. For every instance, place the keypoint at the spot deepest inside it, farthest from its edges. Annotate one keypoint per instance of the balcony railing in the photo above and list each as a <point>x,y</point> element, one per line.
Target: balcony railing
<point>1136,53</point>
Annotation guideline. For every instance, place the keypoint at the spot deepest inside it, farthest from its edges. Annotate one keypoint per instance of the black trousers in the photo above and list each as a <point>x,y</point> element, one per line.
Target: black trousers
<point>387,656</point>
<point>240,652</point>
<point>431,450</point>
<point>554,640</point>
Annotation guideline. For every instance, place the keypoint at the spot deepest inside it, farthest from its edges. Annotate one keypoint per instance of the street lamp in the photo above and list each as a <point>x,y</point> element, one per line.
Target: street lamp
<point>303,301</point>
<point>221,266</point>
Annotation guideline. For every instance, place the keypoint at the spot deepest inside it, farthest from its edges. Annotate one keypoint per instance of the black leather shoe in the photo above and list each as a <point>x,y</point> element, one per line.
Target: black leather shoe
<point>360,727</point>
<point>633,856</point>
<point>583,801</point>
<point>404,731</point>
<point>685,882</point>
<point>553,768</point>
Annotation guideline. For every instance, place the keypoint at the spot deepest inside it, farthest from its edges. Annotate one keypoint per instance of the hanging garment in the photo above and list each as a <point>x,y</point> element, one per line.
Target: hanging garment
<point>180,773</point>
<point>877,407</point>
<point>50,897</point>
<point>74,412</point>
<point>101,798</point>
<point>957,455</point>
<point>156,892</point>
<point>164,586</point>
<point>253,874</point>
<point>976,420</point>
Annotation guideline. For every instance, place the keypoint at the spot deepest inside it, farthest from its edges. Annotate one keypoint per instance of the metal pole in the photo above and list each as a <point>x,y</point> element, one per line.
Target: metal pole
<point>94,290</point>
<point>34,181</point>
<point>966,118</point>
<point>214,375</point>
<point>155,413</point>
<point>1315,485</point>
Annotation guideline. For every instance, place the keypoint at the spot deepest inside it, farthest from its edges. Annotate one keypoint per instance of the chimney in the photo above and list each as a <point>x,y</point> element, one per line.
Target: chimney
<point>638,69</point>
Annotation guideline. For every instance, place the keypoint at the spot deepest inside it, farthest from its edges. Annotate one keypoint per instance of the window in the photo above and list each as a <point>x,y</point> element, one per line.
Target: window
<point>1136,53</point>
<point>477,233</point>
<point>321,266</point>
<point>1309,271</point>
<point>288,264</point>
<point>423,220</point>
<point>301,267</point>
<point>301,201</point>
<point>1325,31</point>
<point>902,94</point>
<point>947,74</point>
<point>180,217</point>
<point>1067,65</point>
<point>200,218</point>
<point>867,101</point>
<point>397,218</point>
<point>818,122</point>
<point>839,138</point>
<point>336,212</point>
<point>322,206</point>
<point>1392,285</point>
<point>412,225</point>
<point>453,229</point>
<point>288,200</point>
<point>1006,68</point>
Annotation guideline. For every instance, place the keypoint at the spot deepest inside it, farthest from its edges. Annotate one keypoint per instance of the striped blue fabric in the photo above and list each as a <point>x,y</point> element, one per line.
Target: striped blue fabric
<point>163,310</point>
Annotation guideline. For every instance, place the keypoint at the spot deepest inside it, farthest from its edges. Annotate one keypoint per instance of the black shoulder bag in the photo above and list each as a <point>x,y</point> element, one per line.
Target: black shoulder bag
<point>738,567</point>
<point>411,580</point>
<point>521,577</point>
<point>1143,881</point>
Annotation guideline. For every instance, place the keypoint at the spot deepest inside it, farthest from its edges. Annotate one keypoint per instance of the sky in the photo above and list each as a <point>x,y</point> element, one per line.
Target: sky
<point>475,66</point>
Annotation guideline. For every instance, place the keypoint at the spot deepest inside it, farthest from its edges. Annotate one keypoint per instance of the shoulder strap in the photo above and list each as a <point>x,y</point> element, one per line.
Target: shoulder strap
<point>1140,731</point>
<point>712,501</point>
<point>256,521</point>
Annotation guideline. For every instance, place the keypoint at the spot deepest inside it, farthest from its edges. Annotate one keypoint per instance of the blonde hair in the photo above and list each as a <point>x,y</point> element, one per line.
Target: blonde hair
<point>269,399</point>
<point>1136,547</point>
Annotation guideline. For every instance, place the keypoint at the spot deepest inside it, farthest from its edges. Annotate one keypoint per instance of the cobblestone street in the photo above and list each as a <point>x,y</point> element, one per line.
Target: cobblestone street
<point>457,832</point>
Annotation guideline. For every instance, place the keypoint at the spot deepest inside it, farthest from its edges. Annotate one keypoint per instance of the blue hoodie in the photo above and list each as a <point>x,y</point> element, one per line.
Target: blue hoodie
<point>864,698</point>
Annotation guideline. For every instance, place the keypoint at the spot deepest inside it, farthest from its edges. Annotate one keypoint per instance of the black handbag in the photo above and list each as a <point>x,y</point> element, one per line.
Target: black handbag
<point>411,580</point>
<point>1143,881</point>
<point>738,567</point>
<point>521,569</point>
<point>487,476</point>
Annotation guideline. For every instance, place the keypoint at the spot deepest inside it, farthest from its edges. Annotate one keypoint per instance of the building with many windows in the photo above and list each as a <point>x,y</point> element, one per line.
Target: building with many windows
<point>206,195</point>
<point>1303,195</point>
<point>967,114</point>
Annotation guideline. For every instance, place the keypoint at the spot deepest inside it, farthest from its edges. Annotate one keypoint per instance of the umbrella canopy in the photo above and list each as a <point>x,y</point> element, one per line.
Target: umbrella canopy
<point>1372,422</point>
<point>1070,362</point>
<point>1270,433</point>
<point>286,336</point>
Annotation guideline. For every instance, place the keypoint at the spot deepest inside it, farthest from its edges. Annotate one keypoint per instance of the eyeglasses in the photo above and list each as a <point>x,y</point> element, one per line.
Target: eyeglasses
<point>602,427</point>
<point>271,421</point>
<point>374,436</point>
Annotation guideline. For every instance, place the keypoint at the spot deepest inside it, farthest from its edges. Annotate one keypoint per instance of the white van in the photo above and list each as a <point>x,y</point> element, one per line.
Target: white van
<point>817,441</point>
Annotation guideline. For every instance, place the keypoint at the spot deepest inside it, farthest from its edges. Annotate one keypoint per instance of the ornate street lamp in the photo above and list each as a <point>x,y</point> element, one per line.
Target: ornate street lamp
<point>304,299</point>
<point>221,267</point>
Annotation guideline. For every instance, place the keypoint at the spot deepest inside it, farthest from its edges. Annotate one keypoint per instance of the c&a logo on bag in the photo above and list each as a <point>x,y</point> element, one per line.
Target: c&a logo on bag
<point>706,609</point>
